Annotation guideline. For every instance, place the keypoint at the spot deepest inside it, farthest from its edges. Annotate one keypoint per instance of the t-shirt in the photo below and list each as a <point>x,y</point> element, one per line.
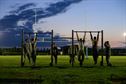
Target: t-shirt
<point>81,46</point>
<point>107,49</point>
<point>94,43</point>
<point>55,50</point>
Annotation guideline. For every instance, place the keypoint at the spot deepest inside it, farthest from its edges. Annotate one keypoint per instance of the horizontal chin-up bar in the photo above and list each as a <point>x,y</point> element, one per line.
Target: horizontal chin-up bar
<point>88,31</point>
<point>63,38</point>
<point>53,41</point>
<point>37,33</point>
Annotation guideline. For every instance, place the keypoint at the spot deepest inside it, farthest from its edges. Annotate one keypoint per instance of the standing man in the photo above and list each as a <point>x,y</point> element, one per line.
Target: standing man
<point>107,52</point>
<point>70,53</point>
<point>54,54</point>
<point>33,51</point>
<point>95,47</point>
<point>81,53</point>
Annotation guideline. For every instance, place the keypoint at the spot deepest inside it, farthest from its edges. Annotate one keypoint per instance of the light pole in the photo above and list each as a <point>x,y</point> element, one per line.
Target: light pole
<point>125,38</point>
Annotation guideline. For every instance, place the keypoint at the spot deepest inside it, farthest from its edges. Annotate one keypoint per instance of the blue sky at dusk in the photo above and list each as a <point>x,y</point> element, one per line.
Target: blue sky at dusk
<point>107,15</point>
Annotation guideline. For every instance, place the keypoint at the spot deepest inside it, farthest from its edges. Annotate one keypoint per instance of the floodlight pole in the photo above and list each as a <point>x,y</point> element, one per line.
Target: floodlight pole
<point>125,40</point>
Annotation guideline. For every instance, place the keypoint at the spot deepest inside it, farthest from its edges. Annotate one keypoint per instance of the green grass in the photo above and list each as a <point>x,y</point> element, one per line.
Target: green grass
<point>63,72</point>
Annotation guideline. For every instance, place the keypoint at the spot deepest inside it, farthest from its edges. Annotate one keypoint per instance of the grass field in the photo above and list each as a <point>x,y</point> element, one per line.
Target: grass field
<point>63,72</point>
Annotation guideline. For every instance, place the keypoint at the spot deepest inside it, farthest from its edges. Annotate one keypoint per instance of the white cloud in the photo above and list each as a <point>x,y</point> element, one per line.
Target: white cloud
<point>21,22</point>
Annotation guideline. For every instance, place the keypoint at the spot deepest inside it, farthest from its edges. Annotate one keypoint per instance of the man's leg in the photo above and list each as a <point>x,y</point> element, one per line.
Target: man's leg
<point>51,63</point>
<point>79,59</point>
<point>70,61</point>
<point>95,56</point>
<point>82,58</point>
<point>108,60</point>
<point>24,58</point>
<point>28,56</point>
<point>34,59</point>
<point>55,59</point>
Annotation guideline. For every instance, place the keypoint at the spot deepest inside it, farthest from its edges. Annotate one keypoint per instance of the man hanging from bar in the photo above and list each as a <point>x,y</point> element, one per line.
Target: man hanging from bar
<point>33,51</point>
<point>81,53</point>
<point>95,47</point>
<point>54,53</point>
<point>26,50</point>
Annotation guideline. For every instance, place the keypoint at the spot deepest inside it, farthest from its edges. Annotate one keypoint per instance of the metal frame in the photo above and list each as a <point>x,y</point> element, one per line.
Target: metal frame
<point>102,40</point>
<point>52,33</point>
<point>22,43</point>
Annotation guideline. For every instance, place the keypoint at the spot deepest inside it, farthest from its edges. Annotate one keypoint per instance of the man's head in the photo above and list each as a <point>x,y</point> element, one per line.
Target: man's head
<point>54,44</point>
<point>80,39</point>
<point>107,42</point>
<point>26,40</point>
<point>94,37</point>
<point>32,39</point>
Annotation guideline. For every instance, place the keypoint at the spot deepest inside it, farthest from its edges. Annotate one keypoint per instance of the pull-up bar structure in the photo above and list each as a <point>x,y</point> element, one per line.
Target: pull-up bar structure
<point>30,33</point>
<point>52,41</point>
<point>102,51</point>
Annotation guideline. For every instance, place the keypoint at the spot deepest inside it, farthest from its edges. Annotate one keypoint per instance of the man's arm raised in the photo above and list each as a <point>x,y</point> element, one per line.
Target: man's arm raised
<point>77,36</point>
<point>84,37</point>
<point>98,36</point>
<point>91,36</point>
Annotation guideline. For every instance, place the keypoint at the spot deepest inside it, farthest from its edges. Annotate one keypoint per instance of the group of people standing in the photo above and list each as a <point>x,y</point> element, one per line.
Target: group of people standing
<point>29,50</point>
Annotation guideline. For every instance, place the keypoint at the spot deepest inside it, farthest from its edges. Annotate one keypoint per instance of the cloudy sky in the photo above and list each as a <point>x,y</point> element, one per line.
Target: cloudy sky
<point>63,16</point>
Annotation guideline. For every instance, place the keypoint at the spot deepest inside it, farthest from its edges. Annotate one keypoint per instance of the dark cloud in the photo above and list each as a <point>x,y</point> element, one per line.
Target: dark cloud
<point>27,12</point>
<point>22,13</point>
<point>23,7</point>
<point>9,21</point>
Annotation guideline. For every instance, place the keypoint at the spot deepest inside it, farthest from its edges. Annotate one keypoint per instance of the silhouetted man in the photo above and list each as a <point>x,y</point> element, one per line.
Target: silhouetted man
<point>54,54</point>
<point>71,55</point>
<point>107,52</point>
<point>81,53</point>
<point>95,47</point>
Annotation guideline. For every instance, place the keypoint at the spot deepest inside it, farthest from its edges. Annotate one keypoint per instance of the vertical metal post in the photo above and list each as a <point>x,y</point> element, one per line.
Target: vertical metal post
<point>72,48</point>
<point>51,41</point>
<point>102,50</point>
<point>51,47</point>
<point>22,48</point>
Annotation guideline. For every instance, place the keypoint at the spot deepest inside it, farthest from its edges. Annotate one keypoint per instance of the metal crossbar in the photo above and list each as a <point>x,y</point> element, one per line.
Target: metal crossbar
<point>87,31</point>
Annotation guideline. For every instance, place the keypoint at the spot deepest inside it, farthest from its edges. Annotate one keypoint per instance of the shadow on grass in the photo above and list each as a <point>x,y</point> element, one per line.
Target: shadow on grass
<point>21,81</point>
<point>58,66</point>
<point>117,79</point>
<point>75,79</point>
<point>19,67</point>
